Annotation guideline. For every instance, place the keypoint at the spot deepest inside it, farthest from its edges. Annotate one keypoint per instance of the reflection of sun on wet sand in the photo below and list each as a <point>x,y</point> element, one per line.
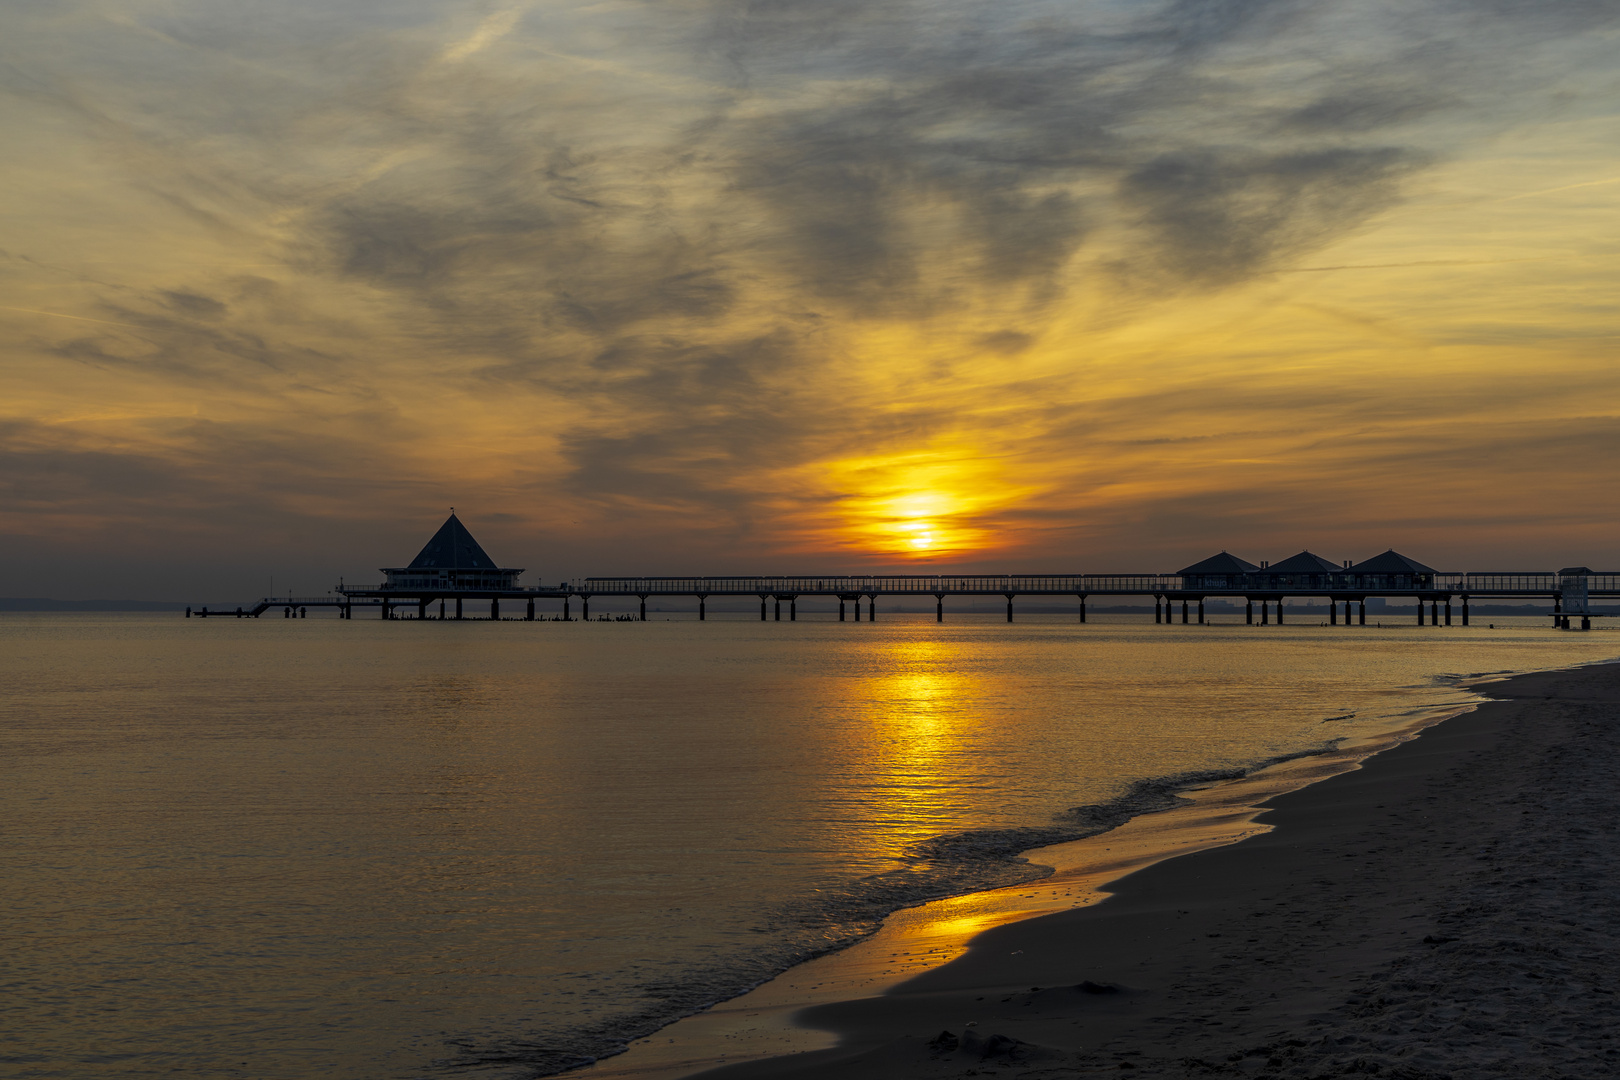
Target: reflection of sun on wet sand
<point>1443,910</point>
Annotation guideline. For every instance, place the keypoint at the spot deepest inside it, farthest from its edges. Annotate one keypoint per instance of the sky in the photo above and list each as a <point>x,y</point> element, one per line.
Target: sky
<point>802,286</point>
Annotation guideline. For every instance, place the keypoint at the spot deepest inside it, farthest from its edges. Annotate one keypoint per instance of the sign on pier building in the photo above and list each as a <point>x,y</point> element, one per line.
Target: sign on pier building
<point>452,561</point>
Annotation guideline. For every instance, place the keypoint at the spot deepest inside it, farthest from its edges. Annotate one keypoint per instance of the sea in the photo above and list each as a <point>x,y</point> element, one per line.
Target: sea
<point>287,849</point>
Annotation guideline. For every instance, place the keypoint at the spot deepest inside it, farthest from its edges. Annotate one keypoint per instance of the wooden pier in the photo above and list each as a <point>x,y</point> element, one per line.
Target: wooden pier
<point>454,570</point>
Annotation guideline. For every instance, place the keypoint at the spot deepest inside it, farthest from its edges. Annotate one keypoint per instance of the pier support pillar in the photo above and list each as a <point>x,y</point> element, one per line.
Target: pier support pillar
<point>1448,612</point>
<point>441,609</point>
<point>528,616</point>
<point>458,607</point>
<point>643,609</point>
<point>1333,612</point>
<point>840,609</point>
<point>1363,613</point>
<point>793,609</point>
<point>1434,613</point>
<point>1248,613</point>
<point>1200,611</point>
<point>387,610</point>
<point>303,613</point>
<point>778,609</point>
<point>1265,613</point>
<point>703,613</point>
<point>1586,622</point>
<point>939,607</point>
<point>421,609</point>
<point>762,609</point>
<point>494,609</point>
<point>1156,611</point>
<point>1184,613</point>
<point>1420,611</point>
<point>1082,609</point>
<point>1279,611</point>
<point>566,617</point>
<point>1009,607</point>
<point>871,615</point>
<point>1465,611</point>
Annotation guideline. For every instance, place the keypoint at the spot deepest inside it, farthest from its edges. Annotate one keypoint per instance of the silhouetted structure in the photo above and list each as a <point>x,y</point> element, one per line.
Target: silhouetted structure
<point>453,566</point>
<point>452,562</point>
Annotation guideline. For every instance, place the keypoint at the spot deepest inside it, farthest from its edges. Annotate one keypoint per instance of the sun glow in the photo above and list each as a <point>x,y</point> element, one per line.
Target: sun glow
<point>921,505</point>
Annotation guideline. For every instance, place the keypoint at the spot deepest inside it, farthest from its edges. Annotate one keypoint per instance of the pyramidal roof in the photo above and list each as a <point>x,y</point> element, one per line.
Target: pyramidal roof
<point>1303,563</point>
<point>452,548</point>
<point>1223,563</point>
<point>1391,562</point>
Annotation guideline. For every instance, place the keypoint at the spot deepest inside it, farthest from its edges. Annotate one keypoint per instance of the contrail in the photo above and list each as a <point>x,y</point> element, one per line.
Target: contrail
<point>79,318</point>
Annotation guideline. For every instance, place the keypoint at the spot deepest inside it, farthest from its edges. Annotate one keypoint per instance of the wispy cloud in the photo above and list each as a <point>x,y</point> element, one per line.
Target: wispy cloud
<point>742,275</point>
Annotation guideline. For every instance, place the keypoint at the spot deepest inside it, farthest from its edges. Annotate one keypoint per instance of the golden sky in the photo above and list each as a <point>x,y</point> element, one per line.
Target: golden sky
<point>710,286</point>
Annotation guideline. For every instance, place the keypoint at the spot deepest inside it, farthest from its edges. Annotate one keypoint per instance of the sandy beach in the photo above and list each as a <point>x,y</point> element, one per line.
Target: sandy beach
<point>1446,910</point>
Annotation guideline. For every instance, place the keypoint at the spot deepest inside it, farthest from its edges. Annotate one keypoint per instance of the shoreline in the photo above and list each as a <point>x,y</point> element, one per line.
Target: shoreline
<point>1442,908</point>
<point>763,1023</point>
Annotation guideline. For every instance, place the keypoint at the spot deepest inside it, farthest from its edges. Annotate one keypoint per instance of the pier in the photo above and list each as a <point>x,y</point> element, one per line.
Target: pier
<point>453,571</point>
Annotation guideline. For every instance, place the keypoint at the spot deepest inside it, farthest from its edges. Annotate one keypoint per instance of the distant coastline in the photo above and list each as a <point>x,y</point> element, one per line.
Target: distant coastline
<point>39,603</point>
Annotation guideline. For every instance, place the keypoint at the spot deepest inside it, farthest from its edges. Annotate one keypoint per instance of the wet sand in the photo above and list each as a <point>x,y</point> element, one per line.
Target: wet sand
<point>1447,909</point>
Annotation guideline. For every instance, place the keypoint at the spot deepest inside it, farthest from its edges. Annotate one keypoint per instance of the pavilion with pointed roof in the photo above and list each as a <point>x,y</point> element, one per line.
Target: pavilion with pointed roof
<point>452,562</point>
<point>1391,570</point>
<point>1222,571</point>
<point>1305,572</point>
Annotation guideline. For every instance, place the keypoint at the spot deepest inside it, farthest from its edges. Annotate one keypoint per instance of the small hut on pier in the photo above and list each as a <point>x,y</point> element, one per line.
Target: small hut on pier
<point>1302,573</point>
<point>1223,572</point>
<point>1389,572</point>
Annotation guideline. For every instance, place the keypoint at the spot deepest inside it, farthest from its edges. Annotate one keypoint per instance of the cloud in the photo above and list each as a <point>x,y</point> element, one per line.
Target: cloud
<point>687,262</point>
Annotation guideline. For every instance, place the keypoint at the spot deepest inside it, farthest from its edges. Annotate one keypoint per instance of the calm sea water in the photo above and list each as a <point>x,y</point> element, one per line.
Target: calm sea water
<point>314,848</point>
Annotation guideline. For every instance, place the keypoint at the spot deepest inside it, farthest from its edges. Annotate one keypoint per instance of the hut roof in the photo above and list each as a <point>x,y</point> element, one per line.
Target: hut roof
<point>452,548</point>
<point>1303,563</point>
<point>1223,563</point>
<point>1390,562</point>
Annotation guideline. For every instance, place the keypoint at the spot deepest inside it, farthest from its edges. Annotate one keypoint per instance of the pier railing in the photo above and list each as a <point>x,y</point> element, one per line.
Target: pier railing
<point>1481,584</point>
<point>866,585</point>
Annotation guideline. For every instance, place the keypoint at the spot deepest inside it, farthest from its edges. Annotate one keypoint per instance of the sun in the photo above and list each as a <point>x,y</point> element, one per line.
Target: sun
<point>922,536</point>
